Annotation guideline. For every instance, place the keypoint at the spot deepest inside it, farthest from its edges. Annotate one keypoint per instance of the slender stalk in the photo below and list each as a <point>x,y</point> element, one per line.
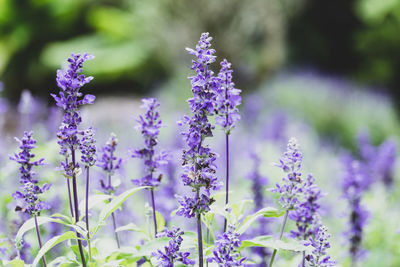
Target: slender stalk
<point>87,200</point>
<point>227,178</point>
<point>154,211</point>
<point>113,217</point>
<point>115,228</point>
<point>199,235</point>
<point>71,207</point>
<point>75,192</point>
<point>303,262</point>
<point>280,237</point>
<point>39,240</point>
<point>87,213</point>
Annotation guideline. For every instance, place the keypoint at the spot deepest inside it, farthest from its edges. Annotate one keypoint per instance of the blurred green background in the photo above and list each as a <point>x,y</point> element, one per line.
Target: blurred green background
<point>139,44</point>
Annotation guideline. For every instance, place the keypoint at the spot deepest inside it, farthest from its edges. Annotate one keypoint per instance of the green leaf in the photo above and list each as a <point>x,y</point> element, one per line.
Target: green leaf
<point>265,212</point>
<point>269,242</point>
<point>16,263</point>
<point>112,206</point>
<point>51,243</point>
<point>30,224</point>
<point>75,249</point>
<point>160,222</point>
<point>153,245</point>
<point>94,200</point>
<point>67,219</point>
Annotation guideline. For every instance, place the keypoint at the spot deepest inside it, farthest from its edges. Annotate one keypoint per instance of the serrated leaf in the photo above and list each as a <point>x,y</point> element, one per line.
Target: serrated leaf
<point>51,243</point>
<point>250,219</point>
<point>269,242</point>
<point>112,206</point>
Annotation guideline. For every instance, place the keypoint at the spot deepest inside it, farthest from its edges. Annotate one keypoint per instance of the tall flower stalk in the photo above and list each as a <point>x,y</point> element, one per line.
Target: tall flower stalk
<point>70,99</point>
<point>353,187</point>
<point>28,197</point>
<point>292,187</point>
<point>149,126</point>
<point>88,158</point>
<point>110,163</point>
<point>198,160</point>
<point>228,98</point>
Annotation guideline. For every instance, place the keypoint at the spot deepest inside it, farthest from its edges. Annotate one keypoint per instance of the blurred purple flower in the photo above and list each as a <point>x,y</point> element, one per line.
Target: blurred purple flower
<point>109,162</point>
<point>353,187</point>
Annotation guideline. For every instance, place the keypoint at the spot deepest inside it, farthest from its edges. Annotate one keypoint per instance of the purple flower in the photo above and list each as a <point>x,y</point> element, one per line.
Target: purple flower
<point>306,215</point>
<point>109,162</point>
<point>228,98</point>
<point>291,164</point>
<point>320,243</point>
<point>353,187</point>
<point>28,196</point>
<point>171,253</point>
<point>88,147</point>
<point>198,160</point>
<point>149,126</point>
<point>225,253</point>
<point>378,161</point>
<point>69,99</point>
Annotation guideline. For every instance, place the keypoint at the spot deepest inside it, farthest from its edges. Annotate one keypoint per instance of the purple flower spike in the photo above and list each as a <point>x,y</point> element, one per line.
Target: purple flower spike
<point>291,164</point>
<point>149,126</point>
<point>69,99</point>
<point>198,160</point>
<point>353,188</point>
<point>306,215</point>
<point>88,147</point>
<point>228,98</point>
<point>171,253</point>
<point>28,196</point>
<point>109,162</point>
<point>225,253</point>
<point>320,244</point>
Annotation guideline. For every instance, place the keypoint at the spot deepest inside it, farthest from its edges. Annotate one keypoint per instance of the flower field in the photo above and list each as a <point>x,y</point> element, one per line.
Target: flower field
<point>303,171</point>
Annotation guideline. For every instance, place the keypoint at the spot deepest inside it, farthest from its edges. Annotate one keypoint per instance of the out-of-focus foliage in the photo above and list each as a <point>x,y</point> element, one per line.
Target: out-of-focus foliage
<point>378,42</point>
<point>137,43</point>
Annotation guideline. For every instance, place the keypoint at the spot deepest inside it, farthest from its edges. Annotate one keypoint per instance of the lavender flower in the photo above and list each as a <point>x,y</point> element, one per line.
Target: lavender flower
<point>257,187</point>
<point>225,254</point>
<point>353,188</point>
<point>320,244</point>
<point>69,99</point>
<point>109,162</point>
<point>31,203</point>
<point>149,126</point>
<point>291,164</point>
<point>171,253</point>
<point>198,160</point>
<point>88,147</point>
<point>306,215</point>
<point>228,98</point>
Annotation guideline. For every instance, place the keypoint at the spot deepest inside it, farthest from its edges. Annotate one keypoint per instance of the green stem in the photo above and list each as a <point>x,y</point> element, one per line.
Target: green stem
<point>280,237</point>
